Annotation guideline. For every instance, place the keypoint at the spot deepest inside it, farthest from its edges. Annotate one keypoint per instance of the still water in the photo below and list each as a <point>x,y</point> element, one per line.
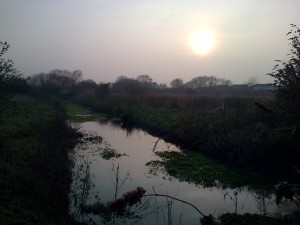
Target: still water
<point>111,178</point>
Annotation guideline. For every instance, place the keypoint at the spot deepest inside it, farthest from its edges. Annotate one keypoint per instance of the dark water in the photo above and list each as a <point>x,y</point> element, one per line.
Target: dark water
<point>138,147</point>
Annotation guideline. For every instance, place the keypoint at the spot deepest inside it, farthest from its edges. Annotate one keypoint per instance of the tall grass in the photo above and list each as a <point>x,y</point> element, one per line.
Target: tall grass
<point>35,173</point>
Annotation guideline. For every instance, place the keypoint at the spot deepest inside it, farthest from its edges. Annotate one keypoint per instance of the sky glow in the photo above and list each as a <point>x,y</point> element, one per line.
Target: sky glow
<point>203,41</point>
<point>106,39</point>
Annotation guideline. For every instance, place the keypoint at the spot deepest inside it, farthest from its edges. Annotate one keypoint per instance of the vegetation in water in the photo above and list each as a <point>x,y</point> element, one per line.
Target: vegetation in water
<point>98,146</point>
<point>110,153</point>
<point>195,168</point>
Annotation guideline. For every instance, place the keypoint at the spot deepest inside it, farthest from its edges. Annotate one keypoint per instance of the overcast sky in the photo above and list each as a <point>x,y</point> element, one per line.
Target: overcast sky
<point>108,38</point>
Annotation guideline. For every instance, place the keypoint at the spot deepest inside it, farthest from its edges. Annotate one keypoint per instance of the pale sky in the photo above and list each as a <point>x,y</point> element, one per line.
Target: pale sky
<point>108,38</point>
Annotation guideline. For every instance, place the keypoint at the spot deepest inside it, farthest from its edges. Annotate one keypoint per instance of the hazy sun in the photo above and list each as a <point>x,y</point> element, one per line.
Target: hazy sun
<point>202,41</point>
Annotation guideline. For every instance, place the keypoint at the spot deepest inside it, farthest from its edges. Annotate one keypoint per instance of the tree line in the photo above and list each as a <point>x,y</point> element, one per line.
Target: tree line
<point>73,83</point>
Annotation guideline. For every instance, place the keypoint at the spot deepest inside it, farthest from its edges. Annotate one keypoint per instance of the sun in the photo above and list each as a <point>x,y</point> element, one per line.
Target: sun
<point>203,41</point>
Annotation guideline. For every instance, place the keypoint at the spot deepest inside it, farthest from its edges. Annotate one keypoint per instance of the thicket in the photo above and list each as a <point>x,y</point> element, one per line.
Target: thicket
<point>35,139</point>
<point>287,81</point>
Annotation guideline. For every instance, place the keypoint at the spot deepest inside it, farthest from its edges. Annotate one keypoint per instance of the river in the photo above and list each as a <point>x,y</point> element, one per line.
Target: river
<point>112,177</point>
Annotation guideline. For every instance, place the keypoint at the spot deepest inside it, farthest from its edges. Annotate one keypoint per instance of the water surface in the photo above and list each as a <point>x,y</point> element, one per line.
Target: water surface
<point>137,148</point>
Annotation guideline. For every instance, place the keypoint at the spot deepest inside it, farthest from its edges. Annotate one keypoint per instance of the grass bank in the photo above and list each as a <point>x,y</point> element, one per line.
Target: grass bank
<point>230,130</point>
<point>35,170</point>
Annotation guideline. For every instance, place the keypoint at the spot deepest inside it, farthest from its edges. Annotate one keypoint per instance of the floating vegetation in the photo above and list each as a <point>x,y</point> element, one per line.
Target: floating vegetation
<point>94,139</point>
<point>195,168</point>
<point>108,154</point>
<point>95,144</point>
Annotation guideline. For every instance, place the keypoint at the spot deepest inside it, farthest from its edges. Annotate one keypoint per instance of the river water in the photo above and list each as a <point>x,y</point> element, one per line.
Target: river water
<point>130,171</point>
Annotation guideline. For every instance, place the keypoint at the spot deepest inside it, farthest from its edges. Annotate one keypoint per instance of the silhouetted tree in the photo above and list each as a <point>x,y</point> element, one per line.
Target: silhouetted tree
<point>212,81</point>
<point>287,79</point>
<point>85,93</point>
<point>76,76</point>
<point>287,83</point>
<point>11,80</point>
<point>162,86</point>
<point>147,83</point>
<point>176,83</point>
<point>103,90</point>
<point>86,84</point>
<point>197,82</point>
<point>60,79</point>
<point>207,81</point>
<point>251,81</point>
<point>144,78</point>
<point>121,77</point>
<point>127,85</point>
<point>225,82</point>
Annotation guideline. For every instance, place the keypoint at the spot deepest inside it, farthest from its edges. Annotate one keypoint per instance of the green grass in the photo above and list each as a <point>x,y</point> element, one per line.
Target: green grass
<point>28,150</point>
<point>77,113</point>
<point>194,167</point>
<point>75,108</point>
<point>158,121</point>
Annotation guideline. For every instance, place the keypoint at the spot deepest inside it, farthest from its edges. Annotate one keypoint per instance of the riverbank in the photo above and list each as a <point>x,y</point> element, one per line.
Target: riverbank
<point>167,124</point>
<point>35,169</point>
<point>230,130</point>
<point>112,133</point>
<point>195,168</point>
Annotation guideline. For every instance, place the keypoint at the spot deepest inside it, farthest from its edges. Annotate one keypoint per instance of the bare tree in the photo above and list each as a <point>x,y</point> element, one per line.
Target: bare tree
<point>251,82</point>
<point>225,82</point>
<point>198,82</point>
<point>176,83</point>
<point>144,78</point>
<point>77,76</point>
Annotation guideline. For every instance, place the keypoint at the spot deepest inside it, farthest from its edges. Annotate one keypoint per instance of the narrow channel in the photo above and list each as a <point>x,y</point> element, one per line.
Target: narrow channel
<point>134,149</point>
